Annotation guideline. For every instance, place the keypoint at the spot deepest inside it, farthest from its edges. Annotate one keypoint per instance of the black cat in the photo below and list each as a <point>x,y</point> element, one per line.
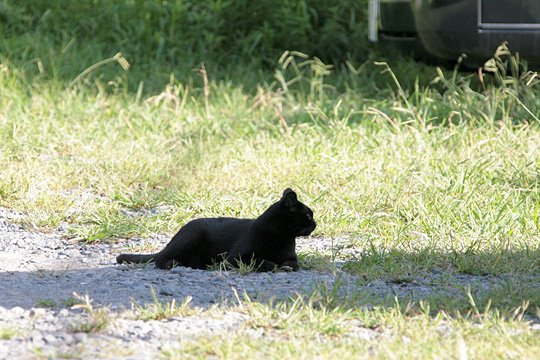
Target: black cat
<point>267,241</point>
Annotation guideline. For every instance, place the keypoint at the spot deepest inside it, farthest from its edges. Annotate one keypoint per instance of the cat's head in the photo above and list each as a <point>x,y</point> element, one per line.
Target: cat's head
<point>300,217</point>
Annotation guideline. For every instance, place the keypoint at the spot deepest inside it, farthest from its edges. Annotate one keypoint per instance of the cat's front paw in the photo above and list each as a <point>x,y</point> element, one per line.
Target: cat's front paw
<point>286,268</point>
<point>290,265</point>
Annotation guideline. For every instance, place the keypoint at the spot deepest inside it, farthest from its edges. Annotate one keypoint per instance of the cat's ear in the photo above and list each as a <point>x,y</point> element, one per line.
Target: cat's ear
<point>288,190</point>
<point>289,198</point>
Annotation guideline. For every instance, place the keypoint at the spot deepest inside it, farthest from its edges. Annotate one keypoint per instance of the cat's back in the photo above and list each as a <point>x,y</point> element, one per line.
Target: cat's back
<point>221,221</point>
<point>221,225</point>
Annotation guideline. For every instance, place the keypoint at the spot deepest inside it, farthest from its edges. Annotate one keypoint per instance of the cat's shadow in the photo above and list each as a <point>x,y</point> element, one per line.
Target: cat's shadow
<point>119,286</point>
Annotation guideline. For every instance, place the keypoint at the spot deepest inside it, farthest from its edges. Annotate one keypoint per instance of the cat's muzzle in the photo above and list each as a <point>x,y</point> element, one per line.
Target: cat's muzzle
<point>307,230</point>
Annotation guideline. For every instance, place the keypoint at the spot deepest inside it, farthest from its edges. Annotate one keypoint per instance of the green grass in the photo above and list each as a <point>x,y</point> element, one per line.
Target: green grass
<point>8,332</point>
<point>305,329</point>
<point>420,169</point>
<point>110,153</point>
<point>46,303</point>
<point>420,339</point>
<point>160,310</point>
<point>97,318</point>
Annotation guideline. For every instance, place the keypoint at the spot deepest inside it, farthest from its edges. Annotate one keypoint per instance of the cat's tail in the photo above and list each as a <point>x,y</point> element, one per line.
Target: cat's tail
<point>135,258</point>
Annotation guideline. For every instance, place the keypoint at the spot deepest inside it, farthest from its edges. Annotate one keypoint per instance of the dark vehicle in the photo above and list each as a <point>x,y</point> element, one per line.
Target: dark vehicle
<point>445,29</point>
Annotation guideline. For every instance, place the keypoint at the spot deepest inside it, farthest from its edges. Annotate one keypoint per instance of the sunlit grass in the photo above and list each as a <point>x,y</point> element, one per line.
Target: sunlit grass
<point>305,329</point>
<point>405,189</point>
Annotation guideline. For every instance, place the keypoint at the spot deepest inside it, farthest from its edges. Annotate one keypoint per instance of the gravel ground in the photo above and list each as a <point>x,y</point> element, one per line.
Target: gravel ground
<point>40,272</point>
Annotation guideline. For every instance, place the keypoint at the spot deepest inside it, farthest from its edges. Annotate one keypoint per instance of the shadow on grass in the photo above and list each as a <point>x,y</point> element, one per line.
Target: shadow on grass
<point>396,264</point>
<point>451,281</point>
